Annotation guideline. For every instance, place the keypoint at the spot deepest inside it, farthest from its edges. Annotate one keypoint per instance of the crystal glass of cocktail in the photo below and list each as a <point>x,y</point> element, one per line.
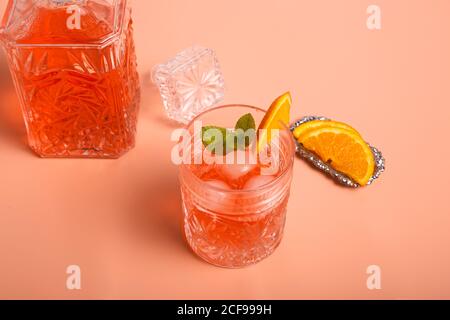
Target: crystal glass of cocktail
<point>235,211</point>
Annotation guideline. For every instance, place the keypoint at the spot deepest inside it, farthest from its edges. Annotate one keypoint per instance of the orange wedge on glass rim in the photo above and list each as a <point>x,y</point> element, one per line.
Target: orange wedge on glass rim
<point>277,116</point>
<point>344,149</point>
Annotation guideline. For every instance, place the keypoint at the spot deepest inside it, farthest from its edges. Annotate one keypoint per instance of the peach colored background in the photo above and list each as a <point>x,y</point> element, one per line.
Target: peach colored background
<point>120,220</point>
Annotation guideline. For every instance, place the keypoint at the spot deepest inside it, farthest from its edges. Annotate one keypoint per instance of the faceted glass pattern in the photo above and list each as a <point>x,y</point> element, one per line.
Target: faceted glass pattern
<point>79,89</point>
<point>190,83</point>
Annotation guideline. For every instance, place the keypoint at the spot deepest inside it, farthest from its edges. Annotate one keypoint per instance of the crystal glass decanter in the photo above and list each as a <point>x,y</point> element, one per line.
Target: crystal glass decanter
<point>74,67</point>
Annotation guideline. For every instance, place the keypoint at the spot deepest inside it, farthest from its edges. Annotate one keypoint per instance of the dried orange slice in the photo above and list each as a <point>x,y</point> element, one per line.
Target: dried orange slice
<point>277,115</point>
<point>311,125</point>
<point>343,149</point>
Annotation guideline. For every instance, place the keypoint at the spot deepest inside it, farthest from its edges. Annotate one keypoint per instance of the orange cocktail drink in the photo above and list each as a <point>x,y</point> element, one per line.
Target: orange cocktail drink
<point>235,203</point>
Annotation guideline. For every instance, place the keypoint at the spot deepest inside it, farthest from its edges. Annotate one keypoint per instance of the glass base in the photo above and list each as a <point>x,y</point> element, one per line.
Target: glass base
<point>84,154</point>
<point>244,264</point>
<point>232,253</point>
<point>61,151</point>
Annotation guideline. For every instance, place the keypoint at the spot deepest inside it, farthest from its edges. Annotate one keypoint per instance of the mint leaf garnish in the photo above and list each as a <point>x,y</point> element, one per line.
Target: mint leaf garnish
<point>246,122</point>
<point>209,134</point>
<point>216,139</point>
<point>244,136</point>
